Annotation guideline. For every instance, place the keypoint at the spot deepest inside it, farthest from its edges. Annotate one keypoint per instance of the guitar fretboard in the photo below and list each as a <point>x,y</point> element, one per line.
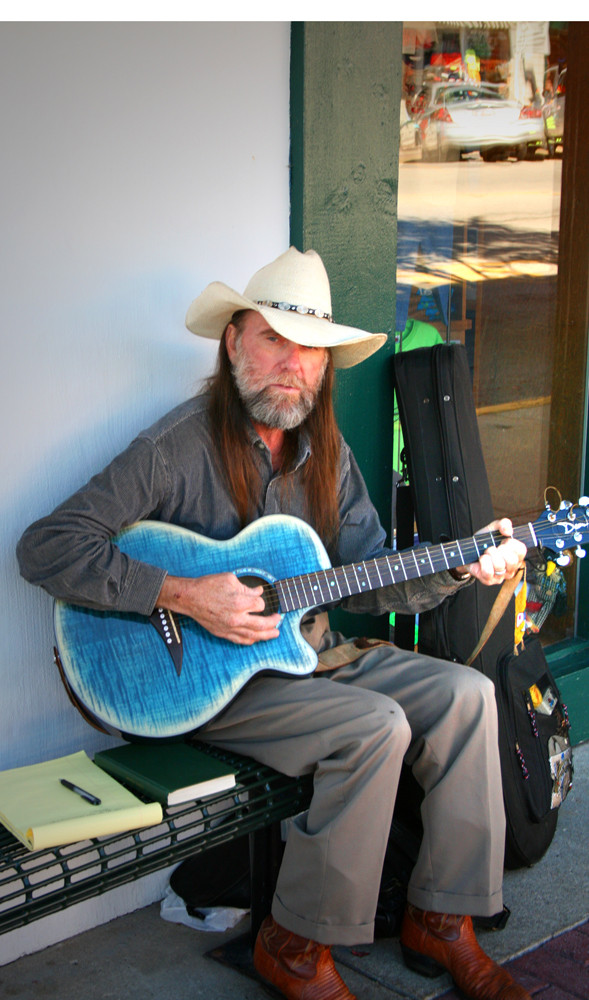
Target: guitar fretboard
<point>326,586</point>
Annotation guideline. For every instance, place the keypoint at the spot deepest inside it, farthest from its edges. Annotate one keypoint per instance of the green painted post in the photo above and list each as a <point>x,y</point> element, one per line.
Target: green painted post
<point>345,120</point>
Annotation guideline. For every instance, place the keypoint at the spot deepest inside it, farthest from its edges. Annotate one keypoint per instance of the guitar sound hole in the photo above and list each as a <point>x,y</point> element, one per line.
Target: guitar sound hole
<point>270,596</point>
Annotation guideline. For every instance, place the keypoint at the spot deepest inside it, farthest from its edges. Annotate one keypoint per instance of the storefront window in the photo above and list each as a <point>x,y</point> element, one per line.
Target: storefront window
<point>478,216</point>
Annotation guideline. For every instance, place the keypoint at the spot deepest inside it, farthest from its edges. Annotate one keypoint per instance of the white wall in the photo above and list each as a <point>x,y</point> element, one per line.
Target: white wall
<point>139,162</point>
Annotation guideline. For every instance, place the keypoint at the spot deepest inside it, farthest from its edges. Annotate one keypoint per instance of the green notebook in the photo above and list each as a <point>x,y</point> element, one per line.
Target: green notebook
<point>171,773</point>
<point>37,808</point>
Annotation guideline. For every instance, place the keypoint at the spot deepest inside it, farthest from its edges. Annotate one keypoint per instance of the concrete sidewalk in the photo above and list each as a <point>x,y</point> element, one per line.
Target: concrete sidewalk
<point>141,956</point>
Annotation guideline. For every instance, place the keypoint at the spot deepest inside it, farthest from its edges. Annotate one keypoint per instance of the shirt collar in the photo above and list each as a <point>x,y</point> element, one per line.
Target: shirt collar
<point>304,444</point>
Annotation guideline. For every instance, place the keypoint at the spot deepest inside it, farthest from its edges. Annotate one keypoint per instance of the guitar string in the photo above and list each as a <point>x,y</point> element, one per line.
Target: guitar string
<point>392,564</point>
<point>461,550</point>
<point>405,563</point>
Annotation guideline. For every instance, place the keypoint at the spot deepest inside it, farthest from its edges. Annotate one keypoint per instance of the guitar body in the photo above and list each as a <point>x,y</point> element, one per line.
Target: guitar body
<point>119,667</point>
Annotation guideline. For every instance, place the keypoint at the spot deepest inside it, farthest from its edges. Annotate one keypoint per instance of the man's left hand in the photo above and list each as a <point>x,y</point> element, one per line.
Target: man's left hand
<point>501,562</point>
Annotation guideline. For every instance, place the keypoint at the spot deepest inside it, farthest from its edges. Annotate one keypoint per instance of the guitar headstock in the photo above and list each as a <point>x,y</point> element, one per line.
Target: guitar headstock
<point>564,529</point>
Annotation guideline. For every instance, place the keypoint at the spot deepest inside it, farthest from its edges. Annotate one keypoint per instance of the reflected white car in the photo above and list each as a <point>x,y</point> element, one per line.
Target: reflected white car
<point>465,118</point>
<point>409,138</point>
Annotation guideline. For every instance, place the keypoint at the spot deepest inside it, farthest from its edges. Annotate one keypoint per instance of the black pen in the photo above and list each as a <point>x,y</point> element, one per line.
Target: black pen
<point>80,791</point>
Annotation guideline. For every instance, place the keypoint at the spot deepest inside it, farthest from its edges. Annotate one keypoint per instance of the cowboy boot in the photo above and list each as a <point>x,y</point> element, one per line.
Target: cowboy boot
<point>299,968</point>
<point>434,942</point>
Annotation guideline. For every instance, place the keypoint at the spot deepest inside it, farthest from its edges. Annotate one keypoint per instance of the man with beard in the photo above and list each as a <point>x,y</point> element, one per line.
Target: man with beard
<point>262,439</point>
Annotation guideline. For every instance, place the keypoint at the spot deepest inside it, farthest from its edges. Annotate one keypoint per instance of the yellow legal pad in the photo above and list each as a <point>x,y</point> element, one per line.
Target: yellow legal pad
<point>37,809</point>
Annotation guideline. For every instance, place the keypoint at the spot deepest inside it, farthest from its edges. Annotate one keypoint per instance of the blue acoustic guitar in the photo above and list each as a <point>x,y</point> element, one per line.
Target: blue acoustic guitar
<point>164,676</point>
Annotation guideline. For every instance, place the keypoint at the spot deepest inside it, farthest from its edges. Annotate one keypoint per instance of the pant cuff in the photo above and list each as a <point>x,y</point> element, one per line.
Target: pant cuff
<point>449,902</point>
<point>324,933</point>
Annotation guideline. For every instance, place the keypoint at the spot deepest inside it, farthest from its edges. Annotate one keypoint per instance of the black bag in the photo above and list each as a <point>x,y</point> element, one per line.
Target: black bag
<point>217,877</point>
<point>451,499</point>
<point>535,751</point>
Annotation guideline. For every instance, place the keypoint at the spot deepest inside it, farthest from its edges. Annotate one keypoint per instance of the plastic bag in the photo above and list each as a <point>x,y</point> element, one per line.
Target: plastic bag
<point>210,918</point>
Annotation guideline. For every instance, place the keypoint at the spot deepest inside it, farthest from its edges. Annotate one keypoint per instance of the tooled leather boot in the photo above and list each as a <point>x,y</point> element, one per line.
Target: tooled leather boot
<point>299,968</point>
<point>434,942</point>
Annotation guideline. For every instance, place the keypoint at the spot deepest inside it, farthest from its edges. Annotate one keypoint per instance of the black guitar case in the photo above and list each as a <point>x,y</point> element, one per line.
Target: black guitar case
<point>451,499</point>
<point>449,490</point>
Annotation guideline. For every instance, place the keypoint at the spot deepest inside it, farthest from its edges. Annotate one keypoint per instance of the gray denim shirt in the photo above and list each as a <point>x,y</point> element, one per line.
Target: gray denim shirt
<point>169,473</point>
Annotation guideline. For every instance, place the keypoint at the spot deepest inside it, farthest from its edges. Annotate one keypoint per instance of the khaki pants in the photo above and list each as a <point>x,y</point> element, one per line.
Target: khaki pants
<point>352,728</point>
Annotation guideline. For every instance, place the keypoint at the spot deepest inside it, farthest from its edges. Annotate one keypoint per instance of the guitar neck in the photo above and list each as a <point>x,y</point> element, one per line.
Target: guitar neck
<point>334,584</point>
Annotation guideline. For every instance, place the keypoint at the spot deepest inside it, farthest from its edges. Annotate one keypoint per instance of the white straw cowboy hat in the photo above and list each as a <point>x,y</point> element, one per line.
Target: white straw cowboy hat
<point>292,294</point>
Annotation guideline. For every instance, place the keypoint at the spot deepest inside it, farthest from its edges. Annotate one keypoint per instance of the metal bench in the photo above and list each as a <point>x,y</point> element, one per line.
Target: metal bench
<point>34,884</point>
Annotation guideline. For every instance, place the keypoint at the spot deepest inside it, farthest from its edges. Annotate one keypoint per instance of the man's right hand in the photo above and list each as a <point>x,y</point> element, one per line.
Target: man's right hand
<point>223,605</point>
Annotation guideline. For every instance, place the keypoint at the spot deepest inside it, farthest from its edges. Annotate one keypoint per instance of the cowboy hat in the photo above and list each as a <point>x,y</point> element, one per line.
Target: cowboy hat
<point>292,294</point>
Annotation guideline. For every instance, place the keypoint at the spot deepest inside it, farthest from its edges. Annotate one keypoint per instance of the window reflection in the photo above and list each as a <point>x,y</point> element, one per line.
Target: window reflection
<point>479,200</point>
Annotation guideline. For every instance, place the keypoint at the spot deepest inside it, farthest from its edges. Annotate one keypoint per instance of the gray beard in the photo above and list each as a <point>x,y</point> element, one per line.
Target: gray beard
<point>267,405</point>
<point>279,414</point>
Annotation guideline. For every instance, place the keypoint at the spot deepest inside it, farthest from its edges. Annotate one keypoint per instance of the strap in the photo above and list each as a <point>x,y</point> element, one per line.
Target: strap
<point>346,652</point>
<point>503,598</point>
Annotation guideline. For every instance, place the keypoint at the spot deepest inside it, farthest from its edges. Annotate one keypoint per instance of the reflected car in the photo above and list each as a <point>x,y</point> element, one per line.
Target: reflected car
<point>553,112</point>
<point>467,118</point>
<point>409,138</point>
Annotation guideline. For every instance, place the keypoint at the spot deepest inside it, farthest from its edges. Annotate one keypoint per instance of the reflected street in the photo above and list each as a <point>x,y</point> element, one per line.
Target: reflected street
<point>512,193</point>
<point>480,172</point>
<point>477,260</point>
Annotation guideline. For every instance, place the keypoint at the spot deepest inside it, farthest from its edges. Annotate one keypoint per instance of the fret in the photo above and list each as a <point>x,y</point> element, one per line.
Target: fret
<point>337,584</point>
<point>468,551</point>
<point>343,584</point>
<point>290,597</point>
<point>392,569</point>
<point>317,586</point>
<point>422,562</point>
<point>399,565</point>
<point>299,582</point>
<point>323,584</point>
<point>526,533</point>
<point>279,589</point>
<point>328,578</point>
<point>295,588</point>
<point>320,585</point>
<point>345,570</point>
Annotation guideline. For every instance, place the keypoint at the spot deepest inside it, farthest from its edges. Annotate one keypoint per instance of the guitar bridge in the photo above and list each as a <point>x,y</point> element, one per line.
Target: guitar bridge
<point>168,627</point>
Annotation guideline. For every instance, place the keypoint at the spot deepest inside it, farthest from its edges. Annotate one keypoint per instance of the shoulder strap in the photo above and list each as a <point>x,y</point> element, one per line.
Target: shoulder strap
<point>508,588</point>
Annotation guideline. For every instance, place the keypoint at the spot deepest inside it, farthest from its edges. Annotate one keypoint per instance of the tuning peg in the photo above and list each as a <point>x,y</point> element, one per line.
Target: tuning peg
<point>583,501</point>
<point>579,552</point>
<point>564,559</point>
